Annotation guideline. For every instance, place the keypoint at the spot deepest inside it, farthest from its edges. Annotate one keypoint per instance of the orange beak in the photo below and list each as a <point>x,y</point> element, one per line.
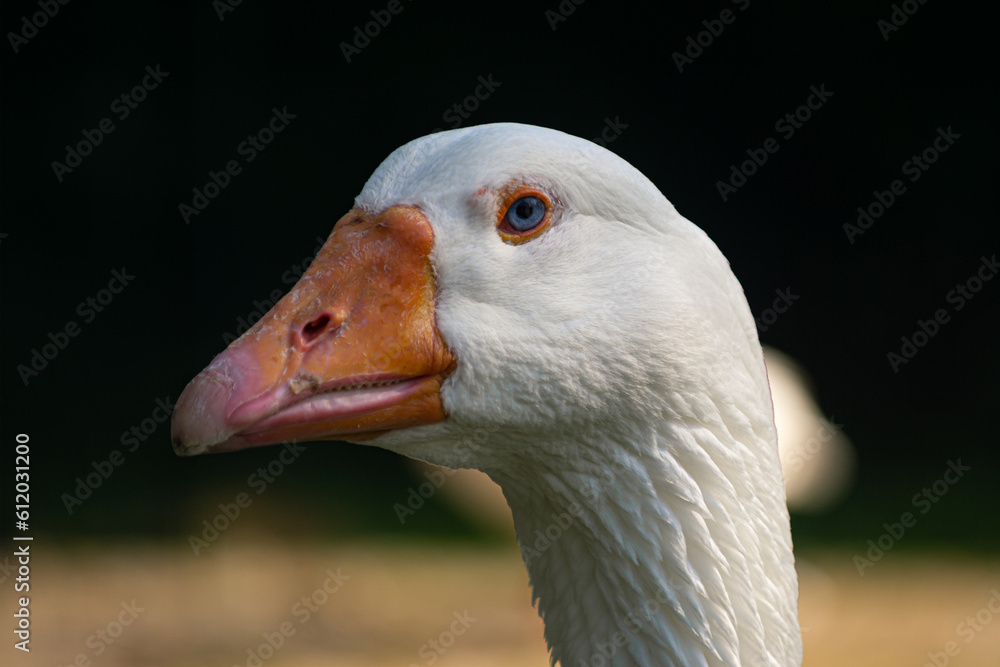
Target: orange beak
<point>351,352</point>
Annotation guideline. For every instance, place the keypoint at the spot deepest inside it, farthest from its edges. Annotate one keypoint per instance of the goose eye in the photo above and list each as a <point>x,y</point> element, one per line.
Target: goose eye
<point>525,214</point>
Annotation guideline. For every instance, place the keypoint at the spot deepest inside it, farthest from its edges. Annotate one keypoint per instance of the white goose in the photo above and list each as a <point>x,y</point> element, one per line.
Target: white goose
<point>524,302</point>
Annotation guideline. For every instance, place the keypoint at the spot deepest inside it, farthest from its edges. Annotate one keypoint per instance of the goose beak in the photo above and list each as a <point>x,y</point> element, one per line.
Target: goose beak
<point>350,353</point>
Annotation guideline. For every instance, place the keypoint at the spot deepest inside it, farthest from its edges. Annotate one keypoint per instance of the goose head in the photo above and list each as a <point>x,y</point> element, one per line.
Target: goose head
<point>520,301</point>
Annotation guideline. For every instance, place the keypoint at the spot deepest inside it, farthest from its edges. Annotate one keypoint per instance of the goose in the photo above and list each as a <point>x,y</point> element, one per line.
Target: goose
<point>523,302</point>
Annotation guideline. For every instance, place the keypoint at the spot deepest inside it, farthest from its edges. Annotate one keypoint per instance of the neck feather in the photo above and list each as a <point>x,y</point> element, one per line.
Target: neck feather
<point>676,551</point>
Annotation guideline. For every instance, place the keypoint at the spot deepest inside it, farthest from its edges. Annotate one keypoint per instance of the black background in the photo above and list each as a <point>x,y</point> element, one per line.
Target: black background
<point>783,229</point>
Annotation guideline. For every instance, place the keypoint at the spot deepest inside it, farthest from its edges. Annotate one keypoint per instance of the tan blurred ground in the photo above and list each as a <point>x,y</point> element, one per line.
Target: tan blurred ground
<point>211,609</point>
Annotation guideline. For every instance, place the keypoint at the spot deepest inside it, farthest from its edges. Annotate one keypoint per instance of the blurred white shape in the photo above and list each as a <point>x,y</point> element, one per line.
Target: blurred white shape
<point>816,458</point>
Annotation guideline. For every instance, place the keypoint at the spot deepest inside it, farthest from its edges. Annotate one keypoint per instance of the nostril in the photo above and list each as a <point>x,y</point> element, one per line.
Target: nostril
<point>314,329</point>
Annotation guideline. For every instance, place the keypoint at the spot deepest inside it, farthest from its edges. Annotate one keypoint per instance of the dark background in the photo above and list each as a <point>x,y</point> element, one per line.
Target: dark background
<point>783,229</point>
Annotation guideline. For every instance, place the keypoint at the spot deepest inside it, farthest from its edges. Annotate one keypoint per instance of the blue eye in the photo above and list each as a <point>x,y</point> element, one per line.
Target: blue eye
<point>525,214</point>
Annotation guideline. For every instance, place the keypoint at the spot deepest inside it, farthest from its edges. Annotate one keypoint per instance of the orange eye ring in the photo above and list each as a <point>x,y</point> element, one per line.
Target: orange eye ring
<point>507,200</point>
